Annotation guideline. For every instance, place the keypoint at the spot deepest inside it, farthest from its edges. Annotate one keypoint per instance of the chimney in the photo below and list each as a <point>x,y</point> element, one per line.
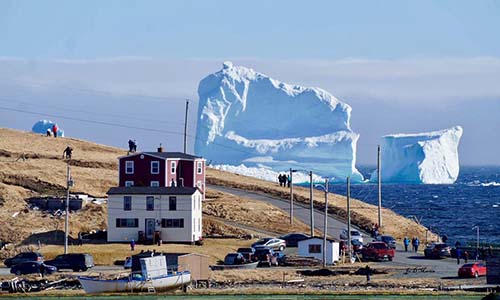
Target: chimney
<point>160,149</point>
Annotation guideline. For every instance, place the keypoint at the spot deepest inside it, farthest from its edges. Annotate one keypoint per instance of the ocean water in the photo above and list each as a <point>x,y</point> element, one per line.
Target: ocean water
<point>451,209</point>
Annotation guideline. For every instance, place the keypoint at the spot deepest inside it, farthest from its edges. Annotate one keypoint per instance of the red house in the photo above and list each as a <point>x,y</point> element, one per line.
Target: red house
<point>162,169</point>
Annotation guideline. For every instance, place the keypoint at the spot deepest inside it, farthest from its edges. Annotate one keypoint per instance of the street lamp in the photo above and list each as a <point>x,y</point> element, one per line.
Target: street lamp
<point>325,230</point>
<point>477,241</point>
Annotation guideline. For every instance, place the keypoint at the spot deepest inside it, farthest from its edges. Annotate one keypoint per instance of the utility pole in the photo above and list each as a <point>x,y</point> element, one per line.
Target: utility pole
<point>349,246</point>
<point>311,202</point>
<point>291,196</point>
<point>69,183</point>
<point>379,189</point>
<point>325,230</point>
<point>477,241</point>
<point>185,125</point>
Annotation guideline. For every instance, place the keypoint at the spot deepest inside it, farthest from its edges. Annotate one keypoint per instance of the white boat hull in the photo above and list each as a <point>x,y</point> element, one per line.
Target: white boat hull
<point>163,283</point>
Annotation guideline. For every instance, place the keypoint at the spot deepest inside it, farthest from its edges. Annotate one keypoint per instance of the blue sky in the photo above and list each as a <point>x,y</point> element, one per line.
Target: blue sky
<point>262,29</point>
<point>404,66</point>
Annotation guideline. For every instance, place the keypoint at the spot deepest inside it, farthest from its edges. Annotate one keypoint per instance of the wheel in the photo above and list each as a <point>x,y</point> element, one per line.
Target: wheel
<point>476,274</point>
<point>18,272</point>
<point>84,269</point>
<point>282,248</point>
<point>390,258</point>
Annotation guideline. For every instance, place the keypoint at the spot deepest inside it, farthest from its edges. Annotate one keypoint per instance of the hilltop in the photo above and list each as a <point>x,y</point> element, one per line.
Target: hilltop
<point>94,170</point>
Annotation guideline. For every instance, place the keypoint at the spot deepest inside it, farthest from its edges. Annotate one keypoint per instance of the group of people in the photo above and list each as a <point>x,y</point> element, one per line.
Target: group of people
<point>132,146</point>
<point>284,180</point>
<point>415,242</point>
<point>53,131</point>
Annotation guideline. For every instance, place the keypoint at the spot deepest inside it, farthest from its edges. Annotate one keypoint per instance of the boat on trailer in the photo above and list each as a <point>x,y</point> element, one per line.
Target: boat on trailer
<point>153,277</point>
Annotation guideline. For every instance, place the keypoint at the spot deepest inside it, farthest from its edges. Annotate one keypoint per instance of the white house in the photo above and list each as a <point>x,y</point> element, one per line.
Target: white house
<point>143,213</point>
<point>313,247</point>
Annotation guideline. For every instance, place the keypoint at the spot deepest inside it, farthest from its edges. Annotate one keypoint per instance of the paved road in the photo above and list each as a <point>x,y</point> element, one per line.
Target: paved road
<point>443,268</point>
<point>6,271</point>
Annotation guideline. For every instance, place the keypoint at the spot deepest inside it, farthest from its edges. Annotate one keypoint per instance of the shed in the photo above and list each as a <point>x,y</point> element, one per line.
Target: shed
<point>313,247</point>
<point>197,264</point>
<point>493,270</point>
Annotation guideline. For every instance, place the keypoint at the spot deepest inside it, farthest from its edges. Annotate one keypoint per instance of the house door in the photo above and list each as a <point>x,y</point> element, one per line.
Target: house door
<point>150,228</point>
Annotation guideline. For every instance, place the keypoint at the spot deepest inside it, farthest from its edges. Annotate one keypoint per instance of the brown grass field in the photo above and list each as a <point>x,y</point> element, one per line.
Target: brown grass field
<point>94,169</point>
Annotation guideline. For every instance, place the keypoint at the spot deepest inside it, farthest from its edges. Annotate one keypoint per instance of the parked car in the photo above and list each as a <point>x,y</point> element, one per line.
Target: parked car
<point>389,240</point>
<point>273,243</point>
<point>23,257</point>
<point>267,256</point>
<point>437,250</point>
<point>293,239</point>
<point>248,253</point>
<point>377,251</point>
<point>128,263</point>
<point>32,267</point>
<point>74,261</point>
<point>472,270</point>
<point>234,259</point>
<point>355,235</point>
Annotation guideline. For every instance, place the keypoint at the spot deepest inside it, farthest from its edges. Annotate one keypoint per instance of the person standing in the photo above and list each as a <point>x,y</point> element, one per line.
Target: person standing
<point>466,256</point>
<point>417,243</point>
<point>132,245</point>
<point>288,180</point>
<point>80,239</point>
<point>406,242</point>
<point>458,252</point>
<point>54,130</point>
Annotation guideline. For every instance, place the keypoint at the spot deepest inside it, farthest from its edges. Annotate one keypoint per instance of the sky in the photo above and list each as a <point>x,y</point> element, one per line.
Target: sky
<point>403,66</point>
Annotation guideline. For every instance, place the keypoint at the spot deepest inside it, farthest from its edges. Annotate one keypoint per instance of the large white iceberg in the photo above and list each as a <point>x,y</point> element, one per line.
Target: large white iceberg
<point>430,157</point>
<point>247,117</point>
<point>42,126</point>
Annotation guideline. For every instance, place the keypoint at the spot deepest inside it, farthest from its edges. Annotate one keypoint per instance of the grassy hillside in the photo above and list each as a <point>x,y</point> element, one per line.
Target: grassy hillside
<point>94,170</point>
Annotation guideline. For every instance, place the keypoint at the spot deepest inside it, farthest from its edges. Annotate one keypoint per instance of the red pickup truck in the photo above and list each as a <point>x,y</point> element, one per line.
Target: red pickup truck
<point>377,251</point>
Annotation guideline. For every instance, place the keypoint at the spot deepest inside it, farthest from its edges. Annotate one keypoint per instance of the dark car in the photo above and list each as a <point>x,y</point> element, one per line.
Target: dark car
<point>32,267</point>
<point>23,257</point>
<point>266,256</point>
<point>248,253</point>
<point>74,261</point>
<point>389,240</point>
<point>293,239</point>
<point>234,259</point>
<point>357,246</point>
<point>437,250</point>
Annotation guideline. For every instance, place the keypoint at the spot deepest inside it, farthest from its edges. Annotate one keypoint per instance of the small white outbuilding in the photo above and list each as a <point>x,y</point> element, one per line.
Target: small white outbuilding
<point>313,247</point>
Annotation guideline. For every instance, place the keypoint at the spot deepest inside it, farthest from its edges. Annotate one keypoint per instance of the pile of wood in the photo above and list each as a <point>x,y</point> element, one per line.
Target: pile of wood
<point>299,261</point>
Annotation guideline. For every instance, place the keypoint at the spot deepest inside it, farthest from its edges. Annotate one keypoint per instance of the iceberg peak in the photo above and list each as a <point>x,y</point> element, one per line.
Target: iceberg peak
<point>245,114</point>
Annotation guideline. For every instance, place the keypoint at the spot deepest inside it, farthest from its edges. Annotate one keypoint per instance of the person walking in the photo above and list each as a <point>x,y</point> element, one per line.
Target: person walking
<point>54,130</point>
<point>67,152</point>
<point>368,272</point>
<point>417,243</point>
<point>280,179</point>
<point>80,239</point>
<point>466,256</point>
<point>132,245</point>
<point>406,242</point>
<point>288,180</point>
<point>458,252</point>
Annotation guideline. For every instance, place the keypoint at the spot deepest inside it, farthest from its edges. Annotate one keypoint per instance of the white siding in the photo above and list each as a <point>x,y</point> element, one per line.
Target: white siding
<point>161,211</point>
<point>332,250</point>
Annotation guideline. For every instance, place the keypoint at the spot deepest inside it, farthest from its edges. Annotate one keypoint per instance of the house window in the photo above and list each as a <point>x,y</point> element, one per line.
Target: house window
<point>127,223</point>
<point>315,248</point>
<point>150,203</point>
<point>199,167</point>
<point>155,167</point>
<point>127,202</point>
<point>129,167</point>
<point>172,167</point>
<point>155,183</point>
<point>172,223</point>
<point>172,203</point>
<point>129,183</point>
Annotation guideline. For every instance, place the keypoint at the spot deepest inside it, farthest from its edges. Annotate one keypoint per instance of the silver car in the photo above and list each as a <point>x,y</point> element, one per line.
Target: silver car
<point>355,235</point>
<point>273,243</point>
